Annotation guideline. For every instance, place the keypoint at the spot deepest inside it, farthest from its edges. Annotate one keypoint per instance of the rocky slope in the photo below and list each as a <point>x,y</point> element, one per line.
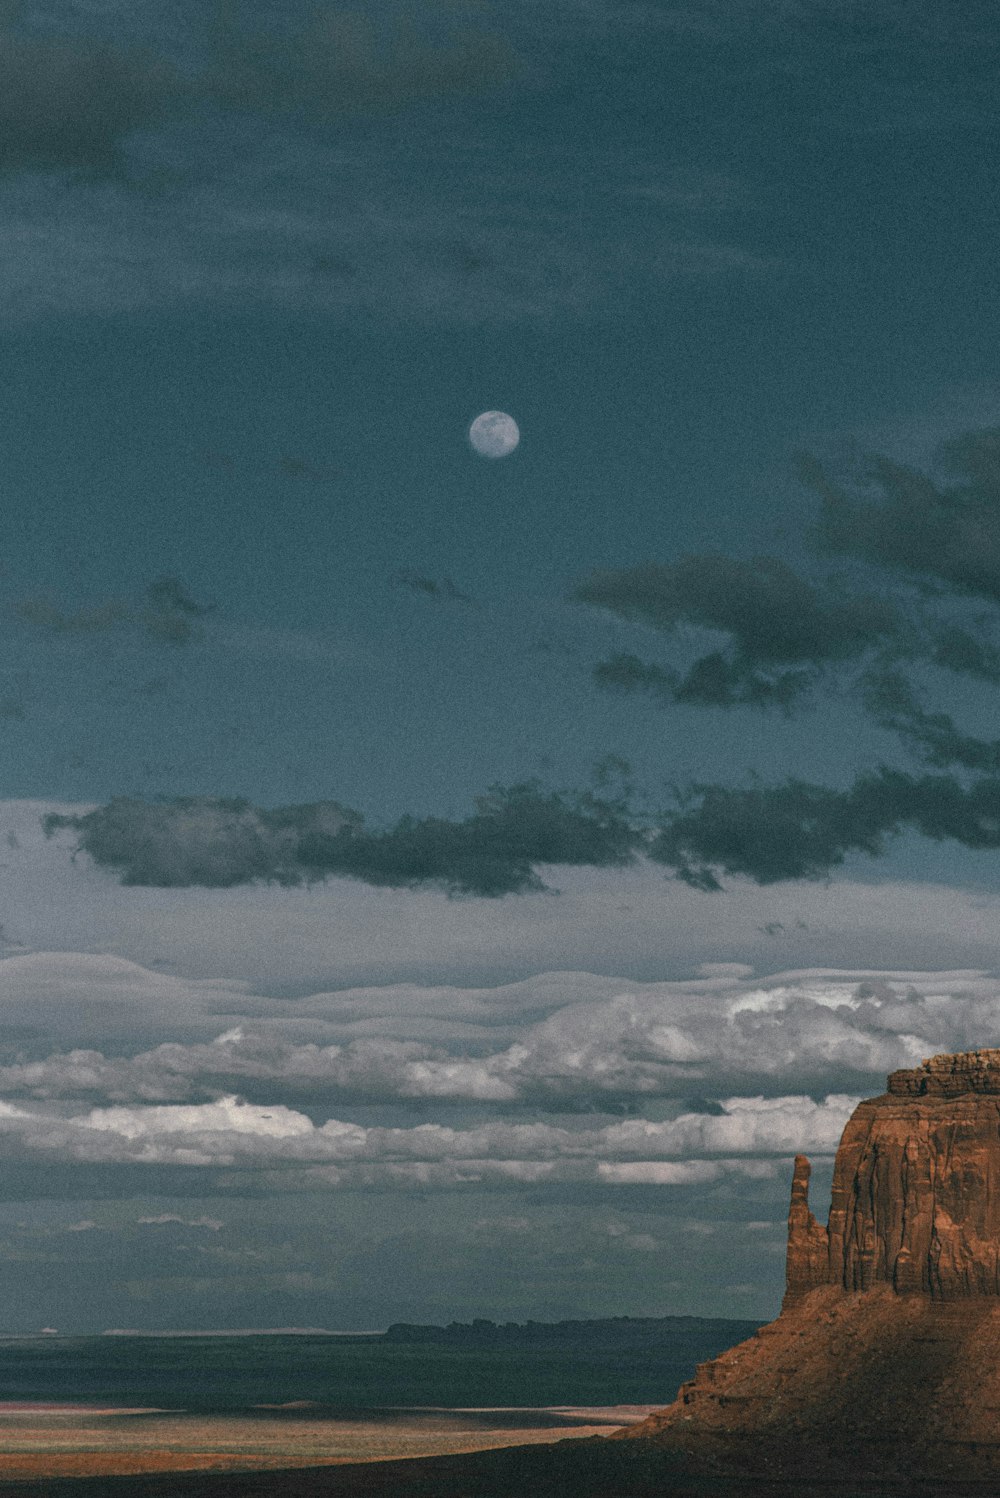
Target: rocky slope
<point>886,1357</point>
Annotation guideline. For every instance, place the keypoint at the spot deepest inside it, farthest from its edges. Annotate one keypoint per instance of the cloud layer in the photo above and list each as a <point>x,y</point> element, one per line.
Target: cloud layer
<point>938,533</point>
<point>218,843</point>
<point>177,156</point>
<point>774,637</point>
<point>68,102</point>
<point>561,1041</point>
<point>234,1134</point>
<point>774,619</point>
<point>166,614</point>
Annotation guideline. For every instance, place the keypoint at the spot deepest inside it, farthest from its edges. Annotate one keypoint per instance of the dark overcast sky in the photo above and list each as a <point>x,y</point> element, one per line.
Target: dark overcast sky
<point>717,644</point>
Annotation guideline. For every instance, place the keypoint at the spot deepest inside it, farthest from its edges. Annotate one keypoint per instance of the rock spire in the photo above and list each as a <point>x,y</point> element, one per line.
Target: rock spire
<point>885,1359</point>
<point>916,1189</point>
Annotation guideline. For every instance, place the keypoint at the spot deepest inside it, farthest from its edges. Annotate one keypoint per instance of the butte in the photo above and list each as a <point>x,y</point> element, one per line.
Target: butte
<point>884,1363</point>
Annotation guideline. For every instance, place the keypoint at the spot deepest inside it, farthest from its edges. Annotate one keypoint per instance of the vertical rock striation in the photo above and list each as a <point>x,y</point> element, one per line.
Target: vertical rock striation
<point>886,1356</point>
<point>807,1261</point>
<point>916,1188</point>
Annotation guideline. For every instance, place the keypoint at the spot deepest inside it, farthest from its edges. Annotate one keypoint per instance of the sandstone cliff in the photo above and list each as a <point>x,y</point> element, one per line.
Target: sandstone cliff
<point>886,1356</point>
<point>916,1189</point>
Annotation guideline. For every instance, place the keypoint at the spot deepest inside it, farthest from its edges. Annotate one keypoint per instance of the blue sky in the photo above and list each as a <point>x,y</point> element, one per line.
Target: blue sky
<point>723,631</point>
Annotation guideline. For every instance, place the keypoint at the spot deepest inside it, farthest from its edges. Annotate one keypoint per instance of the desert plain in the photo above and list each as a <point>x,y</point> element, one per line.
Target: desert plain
<point>41,1442</point>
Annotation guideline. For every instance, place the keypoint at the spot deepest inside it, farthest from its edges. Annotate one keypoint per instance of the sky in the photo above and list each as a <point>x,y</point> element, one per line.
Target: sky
<point>434,885</point>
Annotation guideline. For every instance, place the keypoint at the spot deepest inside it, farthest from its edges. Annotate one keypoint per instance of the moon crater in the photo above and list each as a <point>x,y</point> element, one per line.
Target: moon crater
<point>494,434</point>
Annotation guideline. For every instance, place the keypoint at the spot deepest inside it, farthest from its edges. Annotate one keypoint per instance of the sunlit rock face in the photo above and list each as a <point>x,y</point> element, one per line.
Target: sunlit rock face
<point>916,1189</point>
<point>885,1359</point>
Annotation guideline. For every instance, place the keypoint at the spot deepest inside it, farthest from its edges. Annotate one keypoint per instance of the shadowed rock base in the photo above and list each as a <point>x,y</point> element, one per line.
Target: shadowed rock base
<point>884,1364</point>
<point>850,1387</point>
<point>587,1469</point>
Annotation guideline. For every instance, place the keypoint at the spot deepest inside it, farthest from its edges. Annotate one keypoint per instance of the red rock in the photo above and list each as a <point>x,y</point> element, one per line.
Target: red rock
<point>807,1261</point>
<point>916,1186</point>
<point>887,1350</point>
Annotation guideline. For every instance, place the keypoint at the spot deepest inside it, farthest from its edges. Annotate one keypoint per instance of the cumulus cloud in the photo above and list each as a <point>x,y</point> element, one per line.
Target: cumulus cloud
<point>219,843</point>
<point>551,1086</point>
<point>163,1219</point>
<point>681,1172</point>
<point>570,1042</point>
<point>234,1134</point>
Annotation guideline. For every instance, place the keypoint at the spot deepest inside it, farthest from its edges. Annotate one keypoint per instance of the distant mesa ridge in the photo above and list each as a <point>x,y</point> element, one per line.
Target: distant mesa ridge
<point>885,1359</point>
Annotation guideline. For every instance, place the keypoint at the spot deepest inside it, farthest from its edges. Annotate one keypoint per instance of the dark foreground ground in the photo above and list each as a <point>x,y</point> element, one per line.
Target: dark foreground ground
<point>593,1468</point>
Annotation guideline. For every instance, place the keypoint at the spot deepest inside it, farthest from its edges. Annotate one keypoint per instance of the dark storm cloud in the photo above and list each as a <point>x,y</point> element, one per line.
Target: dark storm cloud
<point>712,681</point>
<point>165,613</point>
<point>798,830</point>
<point>67,102</point>
<point>934,545</point>
<point>935,736</point>
<point>222,843</point>
<point>938,534</point>
<point>774,619</point>
<point>773,615</point>
<point>342,62</point>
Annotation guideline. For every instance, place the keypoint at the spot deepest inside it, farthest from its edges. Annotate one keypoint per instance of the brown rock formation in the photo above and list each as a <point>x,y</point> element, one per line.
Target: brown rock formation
<point>887,1350</point>
<point>807,1260</point>
<point>916,1189</point>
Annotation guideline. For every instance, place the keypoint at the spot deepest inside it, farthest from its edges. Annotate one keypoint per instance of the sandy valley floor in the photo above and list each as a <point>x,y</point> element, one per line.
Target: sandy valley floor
<point>61,1441</point>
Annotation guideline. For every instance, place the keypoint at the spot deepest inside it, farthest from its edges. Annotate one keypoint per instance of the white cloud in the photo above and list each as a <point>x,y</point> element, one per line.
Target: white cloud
<point>211,1224</point>
<point>598,1038</point>
<point>231,1133</point>
<point>154,1054</point>
<point>228,1116</point>
<point>681,1172</point>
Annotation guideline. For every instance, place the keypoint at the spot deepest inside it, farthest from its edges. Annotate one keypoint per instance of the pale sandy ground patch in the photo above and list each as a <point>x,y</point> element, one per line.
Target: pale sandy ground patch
<point>74,1441</point>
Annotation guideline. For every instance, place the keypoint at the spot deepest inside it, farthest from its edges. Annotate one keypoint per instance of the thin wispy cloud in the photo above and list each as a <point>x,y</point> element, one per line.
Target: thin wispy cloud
<point>165,613</point>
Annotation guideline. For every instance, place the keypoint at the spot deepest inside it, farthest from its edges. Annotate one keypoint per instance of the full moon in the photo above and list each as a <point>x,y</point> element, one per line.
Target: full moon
<point>494,434</point>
